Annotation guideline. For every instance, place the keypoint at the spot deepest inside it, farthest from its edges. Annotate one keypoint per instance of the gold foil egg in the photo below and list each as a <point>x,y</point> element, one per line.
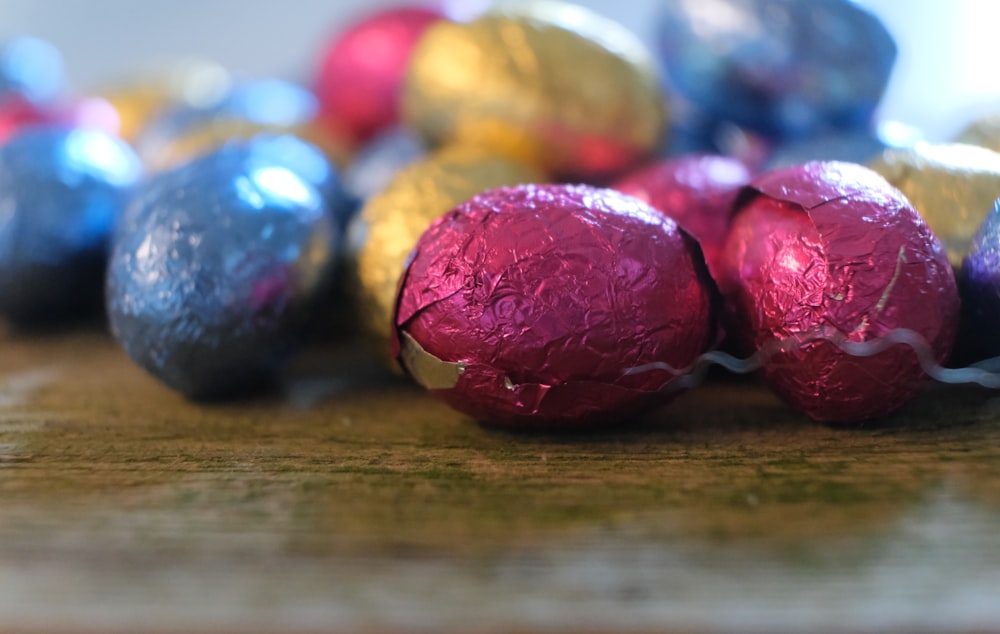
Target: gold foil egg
<point>382,235</point>
<point>546,82</point>
<point>952,185</point>
<point>984,132</point>
<point>190,82</point>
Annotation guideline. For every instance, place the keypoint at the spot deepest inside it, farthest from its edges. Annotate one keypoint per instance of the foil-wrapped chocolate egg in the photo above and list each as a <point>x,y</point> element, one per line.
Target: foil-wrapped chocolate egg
<point>531,306</point>
<point>310,164</point>
<point>829,252</point>
<point>984,132</point>
<point>952,185</point>
<point>390,223</point>
<point>782,67</point>
<point>979,286</point>
<point>193,83</point>
<point>213,268</point>
<point>61,193</point>
<point>30,68</point>
<point>378,162</point>
<point>698,192</point>
<point>547,82</point>
<point>361,73</point>
<point>249,108</point>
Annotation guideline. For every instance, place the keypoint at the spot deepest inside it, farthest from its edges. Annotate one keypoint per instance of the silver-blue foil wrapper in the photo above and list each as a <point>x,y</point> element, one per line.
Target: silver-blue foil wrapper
<point>214,267</point>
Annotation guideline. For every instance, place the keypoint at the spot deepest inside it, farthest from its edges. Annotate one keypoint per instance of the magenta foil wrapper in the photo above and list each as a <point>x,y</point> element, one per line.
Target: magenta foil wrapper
<point>527,306</point>
<point>697,191</point>
<point>831,250</point>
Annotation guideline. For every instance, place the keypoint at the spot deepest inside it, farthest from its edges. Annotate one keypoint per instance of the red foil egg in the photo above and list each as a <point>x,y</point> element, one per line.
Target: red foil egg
<point>361,73</point>
<point>527,306</point>
<point>830,251</point>
<point>697,191</point>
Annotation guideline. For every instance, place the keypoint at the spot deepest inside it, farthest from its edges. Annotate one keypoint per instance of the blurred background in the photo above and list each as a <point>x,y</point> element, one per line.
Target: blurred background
<point>944,76</point>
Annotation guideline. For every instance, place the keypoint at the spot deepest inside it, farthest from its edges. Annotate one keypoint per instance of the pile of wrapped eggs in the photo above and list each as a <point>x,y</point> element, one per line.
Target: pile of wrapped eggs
<point>536,218</point>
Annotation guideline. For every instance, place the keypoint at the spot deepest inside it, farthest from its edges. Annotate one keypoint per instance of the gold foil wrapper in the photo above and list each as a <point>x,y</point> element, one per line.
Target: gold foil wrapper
<point>216,131</point>
<point>426,369</point>
<point>983,132</point>
<point>953,186</point>
<point>391,222</point>
<point>192,83</point>
<point>545,82</point>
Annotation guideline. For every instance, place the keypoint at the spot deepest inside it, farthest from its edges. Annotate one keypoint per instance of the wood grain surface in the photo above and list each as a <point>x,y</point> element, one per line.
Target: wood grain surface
<point>347,500</point>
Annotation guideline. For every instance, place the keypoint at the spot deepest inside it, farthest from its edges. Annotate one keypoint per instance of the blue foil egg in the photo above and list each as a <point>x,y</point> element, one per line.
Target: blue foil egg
<point>214,268</point>
<point>979,288</point>
<point>31,68</point>
<point>61,193</point>
<point>380,159</point>
<point>312,165</point>
<point>785,68</point>
<point>247,109</point>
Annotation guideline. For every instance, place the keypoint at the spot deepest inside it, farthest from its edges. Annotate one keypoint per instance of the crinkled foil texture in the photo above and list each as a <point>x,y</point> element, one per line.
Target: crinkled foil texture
<point>392,221</point>
<point>215,266</point>
<point>697,191</point>
<point>543,297</point>
<point>830,249</point>
<point>547,82</point>
<point>953,186</point>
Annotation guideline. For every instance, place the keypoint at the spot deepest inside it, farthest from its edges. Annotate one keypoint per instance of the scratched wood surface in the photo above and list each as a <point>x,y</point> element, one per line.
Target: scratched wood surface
<point>347,500</point>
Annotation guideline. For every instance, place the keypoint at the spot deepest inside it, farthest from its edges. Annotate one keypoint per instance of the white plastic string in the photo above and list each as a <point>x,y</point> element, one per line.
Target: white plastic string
<point>985,373</point>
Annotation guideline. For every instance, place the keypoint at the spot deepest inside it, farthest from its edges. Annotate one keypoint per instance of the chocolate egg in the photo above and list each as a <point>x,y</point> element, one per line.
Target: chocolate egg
<point>360,76</point>
<point>546,82</point>
<point>61,193</point>
<point>310,164</point>
<point>248,108</point>
<point>984,132</point>
<point>213,268</point>
<point>698,192</point>
<point>530,306</point>
<point>786,68</point>
<point>953,186</point>
<point>389,224</point>
<point>830,252</point>
<point>378,162</point>
<point>187,83</point>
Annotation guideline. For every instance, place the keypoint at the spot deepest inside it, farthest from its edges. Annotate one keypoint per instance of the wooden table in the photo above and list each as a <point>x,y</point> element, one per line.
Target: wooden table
<point>350,501</point>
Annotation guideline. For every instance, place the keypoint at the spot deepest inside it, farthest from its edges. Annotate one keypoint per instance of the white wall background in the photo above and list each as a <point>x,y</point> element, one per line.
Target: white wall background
<point>945,74</point>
